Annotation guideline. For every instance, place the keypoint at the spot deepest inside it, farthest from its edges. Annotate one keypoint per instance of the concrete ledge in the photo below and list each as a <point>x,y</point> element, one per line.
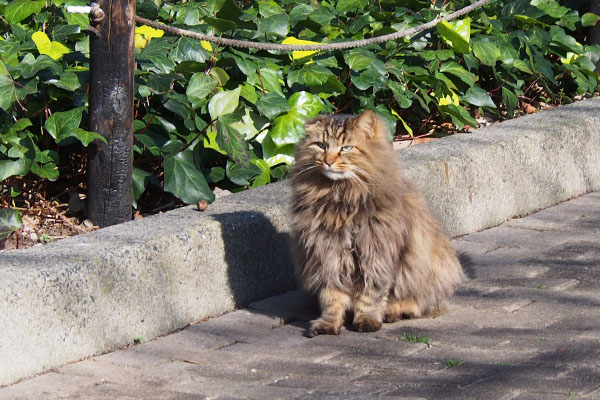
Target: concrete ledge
<point>99,291</point>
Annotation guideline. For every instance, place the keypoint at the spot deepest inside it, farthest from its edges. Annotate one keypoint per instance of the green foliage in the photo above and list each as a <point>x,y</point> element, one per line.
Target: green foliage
<point>209,116</point>
<point>10,221</point>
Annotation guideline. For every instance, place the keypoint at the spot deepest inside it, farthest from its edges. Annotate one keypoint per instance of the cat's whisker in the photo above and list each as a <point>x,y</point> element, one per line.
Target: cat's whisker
<point>361,175</point>
<point>303,171</point>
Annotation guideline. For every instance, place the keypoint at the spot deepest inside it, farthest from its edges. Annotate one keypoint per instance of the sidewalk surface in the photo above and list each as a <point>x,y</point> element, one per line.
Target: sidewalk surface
<point>526,326</point>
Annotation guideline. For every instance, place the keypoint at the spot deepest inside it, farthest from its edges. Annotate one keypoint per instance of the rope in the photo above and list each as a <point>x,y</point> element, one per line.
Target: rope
<point>311,47</point>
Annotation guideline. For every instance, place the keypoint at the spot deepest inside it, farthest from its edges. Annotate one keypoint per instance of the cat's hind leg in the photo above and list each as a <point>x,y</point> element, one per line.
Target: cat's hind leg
<point>398,309</point>
<point>334,304</point>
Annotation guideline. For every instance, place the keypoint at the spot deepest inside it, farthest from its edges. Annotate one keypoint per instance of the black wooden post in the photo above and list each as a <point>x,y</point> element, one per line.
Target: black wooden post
<point>110,165</point>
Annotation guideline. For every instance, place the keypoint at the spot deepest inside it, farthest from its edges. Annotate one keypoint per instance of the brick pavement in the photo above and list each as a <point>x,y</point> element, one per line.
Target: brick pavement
<point>526,326</point>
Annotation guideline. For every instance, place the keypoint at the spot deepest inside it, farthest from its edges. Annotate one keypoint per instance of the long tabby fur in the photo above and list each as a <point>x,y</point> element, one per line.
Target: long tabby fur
<point>365,242</point>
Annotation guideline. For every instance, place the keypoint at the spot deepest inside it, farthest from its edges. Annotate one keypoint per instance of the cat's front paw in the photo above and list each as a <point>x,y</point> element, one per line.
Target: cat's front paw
<point>322,327</point>
<point>366,324</point>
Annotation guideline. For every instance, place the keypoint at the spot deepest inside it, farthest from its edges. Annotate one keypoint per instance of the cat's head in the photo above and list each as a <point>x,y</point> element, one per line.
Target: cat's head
<point>341,147</point>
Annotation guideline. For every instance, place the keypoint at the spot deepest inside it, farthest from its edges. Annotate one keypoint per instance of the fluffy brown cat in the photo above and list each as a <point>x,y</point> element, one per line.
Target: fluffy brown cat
<point>365,241</point>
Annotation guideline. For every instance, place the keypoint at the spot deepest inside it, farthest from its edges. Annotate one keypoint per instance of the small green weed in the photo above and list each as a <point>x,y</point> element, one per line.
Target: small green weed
<point>418,338</point>
<point>542,287</point>
<point>45,238</point>
<point>570,395</point>
<point>541,339</point>
<point>139,339</point>
<point>452,363</point>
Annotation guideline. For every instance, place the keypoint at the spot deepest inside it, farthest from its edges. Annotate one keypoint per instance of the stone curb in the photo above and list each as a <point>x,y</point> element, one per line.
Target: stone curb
<point>97,292</point>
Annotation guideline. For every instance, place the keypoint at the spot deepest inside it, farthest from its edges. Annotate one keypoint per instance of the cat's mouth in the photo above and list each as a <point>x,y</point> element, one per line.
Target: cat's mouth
<point>335,175</point>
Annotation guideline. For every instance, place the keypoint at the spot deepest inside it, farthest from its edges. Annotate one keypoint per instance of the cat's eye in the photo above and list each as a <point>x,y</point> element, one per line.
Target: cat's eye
<point>347,148</point>
<point>321,145</point>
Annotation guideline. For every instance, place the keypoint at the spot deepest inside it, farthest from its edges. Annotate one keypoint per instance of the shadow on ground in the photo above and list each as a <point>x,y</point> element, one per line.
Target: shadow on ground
<point>246,235</point>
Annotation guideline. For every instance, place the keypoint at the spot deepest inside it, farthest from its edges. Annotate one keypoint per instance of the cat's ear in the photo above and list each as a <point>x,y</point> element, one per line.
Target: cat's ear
<point>314,125</point>
<point>366,122</point>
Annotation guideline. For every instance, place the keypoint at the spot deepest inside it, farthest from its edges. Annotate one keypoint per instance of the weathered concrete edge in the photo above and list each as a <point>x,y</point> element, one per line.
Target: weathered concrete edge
<point>97,292</point>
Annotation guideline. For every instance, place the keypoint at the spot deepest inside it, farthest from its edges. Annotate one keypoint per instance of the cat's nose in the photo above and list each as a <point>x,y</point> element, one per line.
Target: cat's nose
<point>329,160</point>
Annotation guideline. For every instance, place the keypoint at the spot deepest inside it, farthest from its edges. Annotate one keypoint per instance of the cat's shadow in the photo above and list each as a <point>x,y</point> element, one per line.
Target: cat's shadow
<point>259,263</point>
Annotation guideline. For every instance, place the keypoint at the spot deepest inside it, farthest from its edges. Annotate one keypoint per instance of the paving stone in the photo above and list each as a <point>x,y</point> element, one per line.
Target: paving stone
<point>505,262</point>
<point>236,391</point>
<point>133,391</point>
<point>102,371</point>
<point>51,385</point>
<point>523,238</point>
<point>448,385</point>
<point>132,359</point>
<point>525,326</point>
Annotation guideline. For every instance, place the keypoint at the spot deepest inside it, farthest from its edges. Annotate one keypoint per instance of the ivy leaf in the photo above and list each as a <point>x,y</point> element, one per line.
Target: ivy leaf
<point>85,137</point>
<point>140,181</point>
<point>61,122</point>
<point>10,168</point>
<point>265,173</point>
<point>224,102</point>
<point>274,155</point>
<point>375,76</point>
<point>322,15</point>
<point>17,10</point>
<point>21,125</point>
<point>346,5</point>
<point>589,19</point>
<point>289,128</point>
<point>314,75</point>
<point>296,55</point>
<point>184,180</point>
<point>478,97</point>
<point>30,65</point>
<point>300,12</point>
<point>10,221</point>
<point>276,24</point>
<point>7,88</point>
<point>460,117</point>
<point>486,51</point>
<point>231,140</point>
<point>156,47</point>
<point>454,68</point>
<point>50,48</point>
<point>223,25</point>
<point>359,59</point>
<point>189,50</point>
<point>522,66</point>
<point>68,81</point>
<point>249,93</point>
<point>269,8</point>
<point>199,87</point>
<point>270,80</point>
<point>402,96</point>
<point>219,75</point>
<point>566,42</point>
<point>550,7</point>
<point>47,171</point>
<point>511,100</point>
<point>272,104</point>
<point>239,174</point>
<point>144,34</point>
<point>63,125</point>
<point>216,174</point>
<point>456,33</point>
